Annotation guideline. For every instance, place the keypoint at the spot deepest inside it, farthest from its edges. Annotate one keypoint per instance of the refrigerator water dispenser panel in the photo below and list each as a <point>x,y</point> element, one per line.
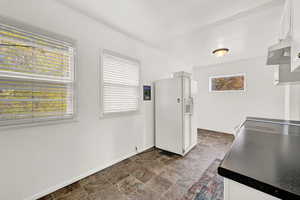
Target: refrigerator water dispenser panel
<point>147,92</point>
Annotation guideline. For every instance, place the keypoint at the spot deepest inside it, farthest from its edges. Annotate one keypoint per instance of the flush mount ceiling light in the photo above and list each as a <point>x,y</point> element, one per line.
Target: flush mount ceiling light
<point>221,52</point>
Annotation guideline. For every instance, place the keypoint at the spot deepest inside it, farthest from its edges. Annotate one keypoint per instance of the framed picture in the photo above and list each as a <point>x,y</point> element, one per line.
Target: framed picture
<point>147,92</point>
<point>227,83</point>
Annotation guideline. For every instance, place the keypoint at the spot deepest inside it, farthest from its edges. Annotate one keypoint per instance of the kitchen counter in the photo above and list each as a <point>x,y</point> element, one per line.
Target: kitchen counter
<point>266,156</point>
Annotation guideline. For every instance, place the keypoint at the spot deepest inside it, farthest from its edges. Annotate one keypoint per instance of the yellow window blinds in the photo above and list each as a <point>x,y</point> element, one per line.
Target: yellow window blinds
<point>36,77</point>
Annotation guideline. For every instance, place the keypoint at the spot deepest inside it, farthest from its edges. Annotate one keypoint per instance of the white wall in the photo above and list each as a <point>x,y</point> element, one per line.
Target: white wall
<point>38,160</point>
<point>223,111</point>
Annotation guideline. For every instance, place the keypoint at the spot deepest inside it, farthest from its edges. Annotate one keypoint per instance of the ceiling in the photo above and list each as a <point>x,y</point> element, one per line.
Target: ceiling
<point>186,27</point>
<point>246,37</point>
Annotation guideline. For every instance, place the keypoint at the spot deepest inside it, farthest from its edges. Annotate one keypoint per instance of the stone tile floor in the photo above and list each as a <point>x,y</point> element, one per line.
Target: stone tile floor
<point>151,175</point>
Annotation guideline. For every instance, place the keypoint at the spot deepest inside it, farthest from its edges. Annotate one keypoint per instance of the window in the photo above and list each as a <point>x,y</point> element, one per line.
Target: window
<point>36,77</point>
<point>120,81</point>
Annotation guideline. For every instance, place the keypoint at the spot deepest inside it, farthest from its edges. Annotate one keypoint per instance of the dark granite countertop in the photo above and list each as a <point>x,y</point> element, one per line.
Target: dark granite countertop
<point>266,156</point>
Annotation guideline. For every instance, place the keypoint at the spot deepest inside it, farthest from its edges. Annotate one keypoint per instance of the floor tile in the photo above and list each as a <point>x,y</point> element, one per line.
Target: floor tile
<point>154,165</point>
<point>74,188</point>
<point>170,174</point>
<point>174,193</point>
<point>143,174</point>
<point>111,193</point>
<point>116,175</point>
<point>96,186</point>
<point>144,194</point>
<point>78,194</point>
<point>159,184</point>
<point>129,185</point>
<point>87,180</point>
<point>151,175</point>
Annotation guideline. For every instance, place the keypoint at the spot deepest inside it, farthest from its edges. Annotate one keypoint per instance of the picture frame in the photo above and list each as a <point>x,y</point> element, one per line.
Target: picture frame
<point>228,83</point>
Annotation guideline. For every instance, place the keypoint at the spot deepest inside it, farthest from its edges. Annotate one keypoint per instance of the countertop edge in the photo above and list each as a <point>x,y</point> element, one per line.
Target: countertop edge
<point>275,121</point>
<point>258,185</point>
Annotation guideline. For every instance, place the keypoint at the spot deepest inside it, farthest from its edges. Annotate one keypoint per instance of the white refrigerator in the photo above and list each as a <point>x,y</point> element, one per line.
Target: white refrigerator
<point>173,114</point>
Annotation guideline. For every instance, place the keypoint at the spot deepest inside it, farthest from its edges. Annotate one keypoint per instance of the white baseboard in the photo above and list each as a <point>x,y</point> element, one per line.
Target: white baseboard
<point>75,179</point>
<point>146,148</point>
<point>190,148</point>
<point>231,132</point>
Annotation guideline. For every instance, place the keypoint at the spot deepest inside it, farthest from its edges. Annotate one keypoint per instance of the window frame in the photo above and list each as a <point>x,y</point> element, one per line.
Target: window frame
<point>101,85</point>
<point>52,36</point>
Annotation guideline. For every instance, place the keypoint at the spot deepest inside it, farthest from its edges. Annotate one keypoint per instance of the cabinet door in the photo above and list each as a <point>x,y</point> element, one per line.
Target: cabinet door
<point>237,191</point>
<point>296,36</point>
<point>295,67</point>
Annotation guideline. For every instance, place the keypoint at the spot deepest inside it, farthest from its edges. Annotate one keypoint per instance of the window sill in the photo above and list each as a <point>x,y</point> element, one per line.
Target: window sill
<point>119,114</point>
<point>22,125</point>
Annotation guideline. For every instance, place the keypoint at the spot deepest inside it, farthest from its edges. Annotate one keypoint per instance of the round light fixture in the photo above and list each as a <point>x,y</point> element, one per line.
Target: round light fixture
<point>221,52</point>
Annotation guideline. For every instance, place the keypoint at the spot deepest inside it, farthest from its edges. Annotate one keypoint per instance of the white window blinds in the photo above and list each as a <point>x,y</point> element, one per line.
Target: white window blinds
<point>36,77</point>
<point>121,79</point>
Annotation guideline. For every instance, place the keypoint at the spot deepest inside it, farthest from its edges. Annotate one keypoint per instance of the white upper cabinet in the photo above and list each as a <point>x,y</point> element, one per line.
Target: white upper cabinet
<point>295,54</point>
